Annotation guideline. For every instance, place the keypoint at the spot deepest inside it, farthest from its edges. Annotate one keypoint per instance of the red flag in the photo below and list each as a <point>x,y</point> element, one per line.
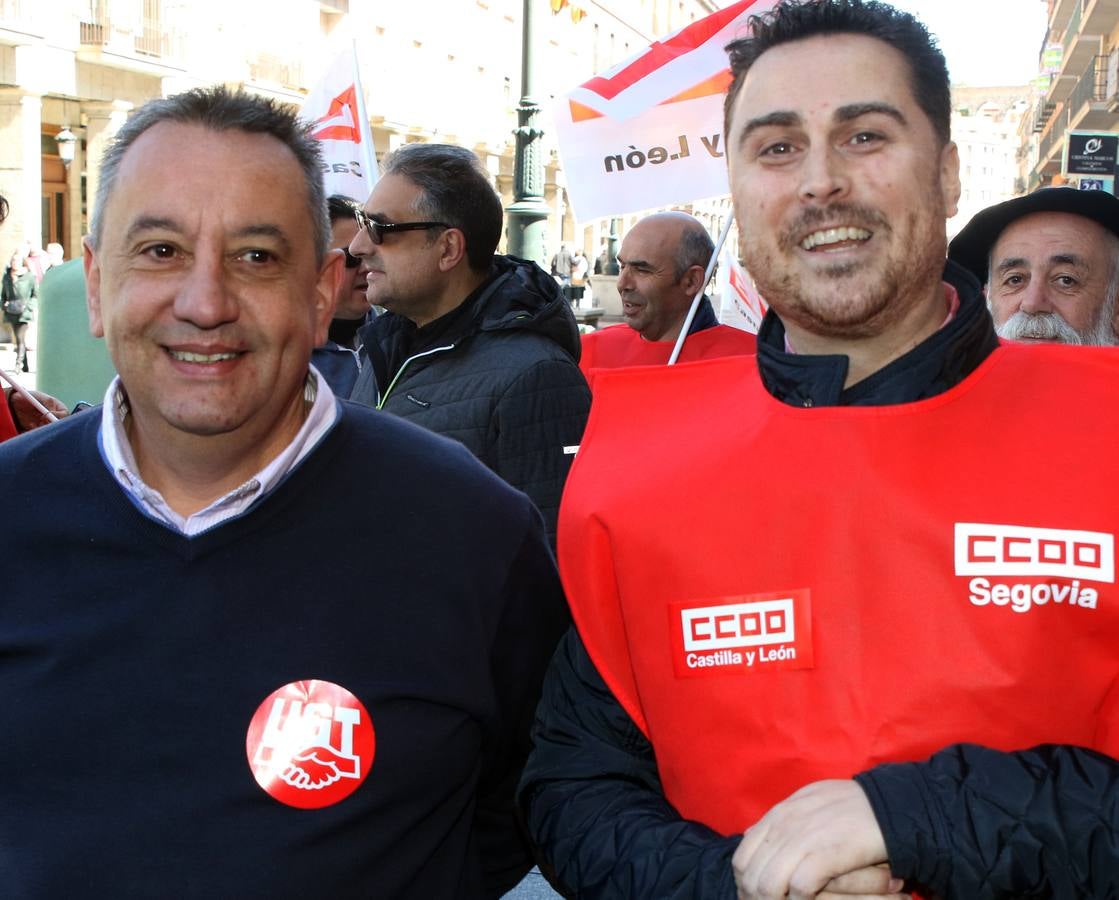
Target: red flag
<point>740,304</point>
<point>336,111</point>
<point>648,132</point>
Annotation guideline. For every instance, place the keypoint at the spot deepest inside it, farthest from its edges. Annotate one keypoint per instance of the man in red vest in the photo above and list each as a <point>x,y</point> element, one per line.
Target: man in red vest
<point>832,638</point>
<point>662,263</point>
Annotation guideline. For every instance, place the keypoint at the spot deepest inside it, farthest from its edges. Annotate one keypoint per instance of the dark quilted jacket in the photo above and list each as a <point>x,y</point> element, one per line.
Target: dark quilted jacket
<point>507,384</point>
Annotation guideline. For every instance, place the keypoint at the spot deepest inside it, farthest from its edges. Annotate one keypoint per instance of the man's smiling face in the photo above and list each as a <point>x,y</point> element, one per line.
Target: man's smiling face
<point>841,186</point>
<point>206,284</point>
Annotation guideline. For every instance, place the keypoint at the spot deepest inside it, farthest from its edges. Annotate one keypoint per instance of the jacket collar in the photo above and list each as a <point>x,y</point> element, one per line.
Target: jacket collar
<point>939,362</point>
<point>517,296</point>
<point>704,317</point>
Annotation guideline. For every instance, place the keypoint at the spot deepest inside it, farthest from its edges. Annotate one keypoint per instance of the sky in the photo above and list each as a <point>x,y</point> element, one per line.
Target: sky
<point>986,42</point>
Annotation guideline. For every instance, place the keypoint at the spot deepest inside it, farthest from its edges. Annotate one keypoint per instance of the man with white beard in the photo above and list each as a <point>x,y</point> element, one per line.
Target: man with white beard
<point>1051,264</point>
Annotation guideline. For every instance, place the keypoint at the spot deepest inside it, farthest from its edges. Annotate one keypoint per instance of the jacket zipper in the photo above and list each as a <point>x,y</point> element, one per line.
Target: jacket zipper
<point>400,371</point>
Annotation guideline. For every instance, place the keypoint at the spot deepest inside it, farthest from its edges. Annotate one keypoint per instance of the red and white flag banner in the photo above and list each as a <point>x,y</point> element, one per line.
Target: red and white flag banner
<point>740,304</point>
<point>649,132</point>
<point>335,108</point>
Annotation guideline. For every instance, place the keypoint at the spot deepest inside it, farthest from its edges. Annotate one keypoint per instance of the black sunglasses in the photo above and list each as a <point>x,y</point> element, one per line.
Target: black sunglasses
<point>377,230</point>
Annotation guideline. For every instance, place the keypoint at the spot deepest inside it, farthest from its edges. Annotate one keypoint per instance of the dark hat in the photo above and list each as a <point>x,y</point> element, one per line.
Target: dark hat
<point>971,248</point>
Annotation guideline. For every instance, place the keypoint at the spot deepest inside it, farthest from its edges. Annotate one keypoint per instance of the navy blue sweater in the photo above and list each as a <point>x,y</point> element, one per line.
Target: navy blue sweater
<point>132,659</point>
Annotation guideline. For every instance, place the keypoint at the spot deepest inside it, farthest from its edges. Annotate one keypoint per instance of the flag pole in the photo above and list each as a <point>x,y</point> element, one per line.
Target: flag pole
<point>23,392</point>
<point>369,152</point>
<point>699,297</point>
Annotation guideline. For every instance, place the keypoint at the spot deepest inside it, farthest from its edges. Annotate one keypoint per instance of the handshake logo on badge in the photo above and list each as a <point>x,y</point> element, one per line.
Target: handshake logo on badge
<point>310,744</point>
<point>299,738</point>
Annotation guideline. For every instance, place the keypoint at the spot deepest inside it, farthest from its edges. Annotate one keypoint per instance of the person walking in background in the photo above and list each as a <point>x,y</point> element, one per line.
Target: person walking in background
<point>36,260</point>
<point>579,269</point>
<point>561,265</point>
<point>602,260</point>
<point>17,297</point>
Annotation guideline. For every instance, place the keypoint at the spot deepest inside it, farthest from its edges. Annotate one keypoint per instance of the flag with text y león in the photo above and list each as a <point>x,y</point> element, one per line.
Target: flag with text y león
<point>648,132</point>
<point>335,108</point>
<point>740,304</point>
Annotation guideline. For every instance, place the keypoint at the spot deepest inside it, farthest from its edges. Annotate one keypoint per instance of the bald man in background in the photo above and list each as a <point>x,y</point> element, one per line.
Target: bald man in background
<point>662,264</point>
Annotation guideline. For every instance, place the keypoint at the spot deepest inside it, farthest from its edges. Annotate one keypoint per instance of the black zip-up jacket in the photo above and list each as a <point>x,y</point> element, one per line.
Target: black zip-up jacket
<point>499,374</point>
<point>970,823</point>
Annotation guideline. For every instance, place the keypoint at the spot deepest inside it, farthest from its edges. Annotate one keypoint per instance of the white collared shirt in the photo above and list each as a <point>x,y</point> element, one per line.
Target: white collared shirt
<point>117,453</point>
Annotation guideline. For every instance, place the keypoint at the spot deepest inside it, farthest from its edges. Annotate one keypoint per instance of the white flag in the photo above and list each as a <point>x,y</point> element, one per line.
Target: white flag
<point>649,132</point>
<point>335,108</point>
<point>740,304</point>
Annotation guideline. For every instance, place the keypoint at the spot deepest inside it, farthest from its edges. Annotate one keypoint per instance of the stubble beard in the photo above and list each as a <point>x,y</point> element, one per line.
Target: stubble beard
<point>852,300</point>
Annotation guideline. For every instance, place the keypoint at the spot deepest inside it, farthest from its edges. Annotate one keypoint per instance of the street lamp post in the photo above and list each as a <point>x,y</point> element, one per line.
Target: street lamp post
<point>612,250</point>
<point>529,213</point>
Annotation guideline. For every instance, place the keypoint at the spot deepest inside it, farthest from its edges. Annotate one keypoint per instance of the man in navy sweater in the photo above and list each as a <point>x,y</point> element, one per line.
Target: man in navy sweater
<point>225,690</point>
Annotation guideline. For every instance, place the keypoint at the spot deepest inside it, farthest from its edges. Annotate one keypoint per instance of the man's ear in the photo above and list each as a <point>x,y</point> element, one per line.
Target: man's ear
<point>92,287</point>
<point>327,286</point>
<point>692,282</point>
<point>950,178</point>
<point>452,248</point>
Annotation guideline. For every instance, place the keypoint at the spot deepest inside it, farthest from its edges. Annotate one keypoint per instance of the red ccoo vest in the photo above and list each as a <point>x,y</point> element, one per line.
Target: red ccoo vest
<point>779,595</point>
<point>619,345</point>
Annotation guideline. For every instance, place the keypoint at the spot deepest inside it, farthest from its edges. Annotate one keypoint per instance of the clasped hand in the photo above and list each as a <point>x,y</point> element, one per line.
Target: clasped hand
<point>821,842</point>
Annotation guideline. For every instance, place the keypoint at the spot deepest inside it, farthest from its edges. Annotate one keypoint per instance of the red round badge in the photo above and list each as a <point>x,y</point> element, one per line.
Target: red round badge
<point>310,744</point>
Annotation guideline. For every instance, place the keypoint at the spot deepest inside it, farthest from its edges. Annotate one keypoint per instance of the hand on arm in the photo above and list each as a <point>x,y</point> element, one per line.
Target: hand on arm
<point>823,841</point>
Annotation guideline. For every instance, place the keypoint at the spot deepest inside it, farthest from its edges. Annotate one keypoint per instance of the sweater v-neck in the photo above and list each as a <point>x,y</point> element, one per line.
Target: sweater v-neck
<point>258,515</point>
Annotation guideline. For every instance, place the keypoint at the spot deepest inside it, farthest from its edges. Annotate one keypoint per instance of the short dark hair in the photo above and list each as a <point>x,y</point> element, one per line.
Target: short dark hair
<point>339,207</point>
<point>796,20</point>
<point>695,249</point>
<point>455,189</point>
<point>3,208</point>
<point>221,109</point>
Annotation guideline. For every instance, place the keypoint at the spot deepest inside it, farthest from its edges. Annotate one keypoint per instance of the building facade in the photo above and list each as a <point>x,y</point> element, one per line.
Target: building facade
<point>986,128</point>
<point>1079,90</point>
<point>433,70</point>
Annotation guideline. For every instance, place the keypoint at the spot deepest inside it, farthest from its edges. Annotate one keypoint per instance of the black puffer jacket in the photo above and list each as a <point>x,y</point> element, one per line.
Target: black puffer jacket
<point>969,824</point>
<point>504,380</point>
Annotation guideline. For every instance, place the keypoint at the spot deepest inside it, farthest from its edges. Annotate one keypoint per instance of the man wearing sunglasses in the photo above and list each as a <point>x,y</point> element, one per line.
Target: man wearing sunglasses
<point>481,348</point>
<point>337,358</point>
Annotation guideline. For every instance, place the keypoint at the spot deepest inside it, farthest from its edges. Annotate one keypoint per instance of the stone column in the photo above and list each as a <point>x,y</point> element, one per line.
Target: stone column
<point>103,121</point>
